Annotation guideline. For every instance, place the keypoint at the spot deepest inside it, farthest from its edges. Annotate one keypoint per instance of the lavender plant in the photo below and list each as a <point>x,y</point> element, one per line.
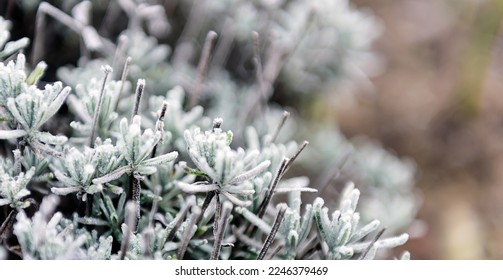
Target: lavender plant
<point>150,176</point>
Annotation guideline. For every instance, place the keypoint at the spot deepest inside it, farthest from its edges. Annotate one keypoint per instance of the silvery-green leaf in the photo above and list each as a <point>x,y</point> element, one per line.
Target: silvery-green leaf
<point>47,138</point>
<point>389,242</point>
<point>250,173</point>
<point>160,159</point>
<point>194,188</point>
<point>365,230</point>
<point>11,105</point>
<point>252,218</point>
<point>65,191</point>
<point>36,73</point>
<point>63,178</point>
<point>114,175</point>
<point>10,134</point>
<point>145,170</point>
<point>236,200</point>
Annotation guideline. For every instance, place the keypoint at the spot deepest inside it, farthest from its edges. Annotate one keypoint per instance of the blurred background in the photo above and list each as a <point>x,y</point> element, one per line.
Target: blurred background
<point>439,100</point>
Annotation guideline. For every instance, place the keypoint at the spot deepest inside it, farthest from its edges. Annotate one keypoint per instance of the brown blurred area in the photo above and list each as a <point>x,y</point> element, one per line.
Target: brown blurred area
<point>439,100</point>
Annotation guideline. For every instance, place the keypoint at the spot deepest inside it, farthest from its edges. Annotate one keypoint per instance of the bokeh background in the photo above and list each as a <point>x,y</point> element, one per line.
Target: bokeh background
<point>439,100</point>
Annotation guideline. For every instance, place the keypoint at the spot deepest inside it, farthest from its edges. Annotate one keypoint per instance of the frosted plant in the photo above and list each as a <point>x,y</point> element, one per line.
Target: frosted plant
<point>13,189</point>
<point>77,169</point>
<point>342,233</point>
<point>177,120</point>
<point>31,109</point>
<point>136,147</point>
<point>14,80</point>
<point>292,231</point>
<point>41,237</point>
<point>229,170</point>
<point>85,102</point>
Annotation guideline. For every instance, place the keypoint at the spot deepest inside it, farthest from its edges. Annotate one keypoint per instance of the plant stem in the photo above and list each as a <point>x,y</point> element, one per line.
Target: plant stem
<point>159,125</point>
<point>140,86</point>
<point>107,69</point>
<point>206,203</point>
<point>272,234</point>
<point>179,220</point>
<point>379,234</point>
<point>294,157</point>
<point>125,70</point>
<point>7,224</point>
<point>285,117</point>
<point>201,67</point>
<point>227,208</point>
<point>250,231</point>
<point>272,187</point>
<point>136,198</point>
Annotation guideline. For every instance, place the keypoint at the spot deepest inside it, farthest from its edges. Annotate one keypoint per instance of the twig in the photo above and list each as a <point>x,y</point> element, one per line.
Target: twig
<point>272,188</point>
<point>227,208</point>
<point>201,67</point>
<point>7,224</point>
<point>123,81</point>
<point>252,243</point>
<point>187,233</point>
<point>272,234</point>
<point>121,44</point>
<point>159,125</point>
<point>179,219</point>
<point>218,212</point>
<point>285,116</point>
<point>334,173</point>
<point>206,203</point>
<point>297,153</point>
<point>136,198</point>
<point>379,234</point>
<point>275,251</point>
<point>140,86</point>
<point>107,69</point>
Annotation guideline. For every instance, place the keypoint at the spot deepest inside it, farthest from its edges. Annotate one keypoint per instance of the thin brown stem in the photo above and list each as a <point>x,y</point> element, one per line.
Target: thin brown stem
<point>136,199</point>
<point>125,70</point>
<point>7,224</point>
<point>227,208</point>
<point>159,125</point>
<point>140,86</point>
<point>284,117</point>
<point>297,153</point>
<point>179,220</point>
<point>107,69</point>
<point>379,234</point>
<point>204,207</point>
<point>272,234</point>
<point>201,68</point>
